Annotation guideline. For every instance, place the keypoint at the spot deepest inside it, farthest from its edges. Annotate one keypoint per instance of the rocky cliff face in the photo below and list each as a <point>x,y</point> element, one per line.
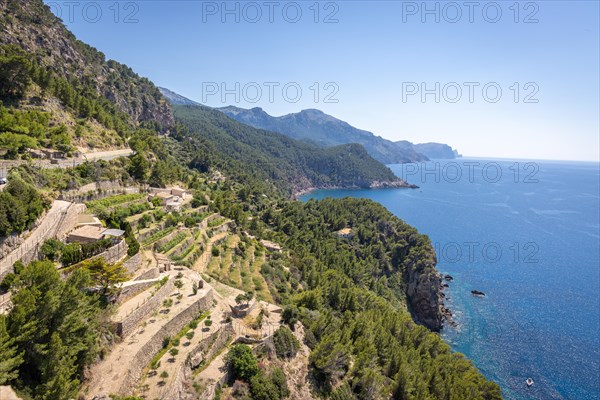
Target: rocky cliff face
<point>423,285</point>
<point>423,292</point>
<point>431,150</point>
<point>31,25</point>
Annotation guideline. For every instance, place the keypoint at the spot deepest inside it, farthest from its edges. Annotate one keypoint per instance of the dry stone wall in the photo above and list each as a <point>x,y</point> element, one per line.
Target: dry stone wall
<point>205,350</point>
<point>98,190</point>
<point>133,290</point>
<point>113,254</point>
<point>128,324</point>
<point>133,264</point>
<point>150,274</point>
<point>171,328</point>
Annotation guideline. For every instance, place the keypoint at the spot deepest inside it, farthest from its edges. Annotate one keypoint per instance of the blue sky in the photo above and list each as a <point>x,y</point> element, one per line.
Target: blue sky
<point>376,59</point>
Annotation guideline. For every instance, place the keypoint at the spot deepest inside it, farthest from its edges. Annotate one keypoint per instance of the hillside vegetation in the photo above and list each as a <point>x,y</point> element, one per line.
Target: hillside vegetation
<point>276,158</point>
<point>357,297</point>
<point>314,126</point>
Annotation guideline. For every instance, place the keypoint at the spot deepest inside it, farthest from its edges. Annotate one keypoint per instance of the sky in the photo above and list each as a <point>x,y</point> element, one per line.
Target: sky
<point>492,79</point>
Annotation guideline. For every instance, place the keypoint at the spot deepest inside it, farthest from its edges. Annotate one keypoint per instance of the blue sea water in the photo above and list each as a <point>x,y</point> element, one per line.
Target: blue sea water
<point>527,234</point>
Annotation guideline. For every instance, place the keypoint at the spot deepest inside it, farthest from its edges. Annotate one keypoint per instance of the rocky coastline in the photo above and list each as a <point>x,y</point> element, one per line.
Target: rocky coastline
<point>399,183</point>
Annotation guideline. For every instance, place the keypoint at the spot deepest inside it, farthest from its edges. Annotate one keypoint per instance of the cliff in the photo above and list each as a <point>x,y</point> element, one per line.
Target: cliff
<point>431,150</point>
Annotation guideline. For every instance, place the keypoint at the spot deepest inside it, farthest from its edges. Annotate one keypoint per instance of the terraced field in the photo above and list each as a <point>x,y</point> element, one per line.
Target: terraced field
<point>112,202</point>
<point>239,266</point>
<point>209,247</point>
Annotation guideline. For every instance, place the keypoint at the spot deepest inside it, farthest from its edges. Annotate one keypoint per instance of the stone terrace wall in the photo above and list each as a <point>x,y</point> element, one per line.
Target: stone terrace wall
<point>171,328</point>
<point>113,254</point>
<point>133,290</point>
<point>210,345</point>
<point>98,190</point>
<point>69,222</point>
<point>225,333</point>
<point>133,264</point>
<point>128,324</point>
<point>51,226</point>
<point>159,227</point>
<point>168,238</point>
<point>150,274</point>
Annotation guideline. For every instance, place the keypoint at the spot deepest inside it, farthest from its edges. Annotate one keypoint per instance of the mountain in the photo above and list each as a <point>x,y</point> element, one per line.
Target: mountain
<point>314,126</point>
<point>291,164</point>
<point>431,150</point>
<point>34,28</point>
<point>177,99</point>
<point>324,130</point>
<point>61,95</point>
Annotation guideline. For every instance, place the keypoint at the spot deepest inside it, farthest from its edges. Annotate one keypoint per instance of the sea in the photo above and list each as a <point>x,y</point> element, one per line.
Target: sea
<point>526,233</point>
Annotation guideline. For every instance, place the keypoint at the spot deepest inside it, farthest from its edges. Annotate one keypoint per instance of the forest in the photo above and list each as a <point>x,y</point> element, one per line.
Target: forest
<point>349,293</point>
<point>290,165</point>
<point>350,296</point>
<point>56,327</point>
<point>20,206</point>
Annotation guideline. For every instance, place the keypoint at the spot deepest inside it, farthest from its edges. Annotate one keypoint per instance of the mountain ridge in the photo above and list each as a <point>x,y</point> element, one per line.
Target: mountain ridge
<point>293,165</point>
<point>31,26</point>
<point>315,126</point>
<point>324,130</point>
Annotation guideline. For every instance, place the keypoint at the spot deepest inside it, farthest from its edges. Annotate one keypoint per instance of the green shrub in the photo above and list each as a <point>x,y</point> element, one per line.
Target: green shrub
<point>286,344</point>
<point>241,362</point>
<point>7,282</point>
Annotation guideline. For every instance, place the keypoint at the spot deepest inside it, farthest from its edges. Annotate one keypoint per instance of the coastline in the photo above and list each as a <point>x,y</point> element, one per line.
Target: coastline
<point>397,184</point>
<point>425,293</point>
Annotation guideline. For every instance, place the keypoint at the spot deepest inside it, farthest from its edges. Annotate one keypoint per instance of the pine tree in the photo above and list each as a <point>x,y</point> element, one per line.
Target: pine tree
<point>59,372</point>
<point>11,357</point>
<point>106,275</point>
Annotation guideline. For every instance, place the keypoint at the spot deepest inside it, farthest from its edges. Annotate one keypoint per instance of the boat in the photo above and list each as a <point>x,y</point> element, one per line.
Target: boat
<point>529,382</point>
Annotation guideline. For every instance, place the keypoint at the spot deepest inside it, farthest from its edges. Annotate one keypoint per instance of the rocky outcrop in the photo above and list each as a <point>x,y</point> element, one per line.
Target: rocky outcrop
<point>424,297</point>
<point>400,183</point>
<point>430,150</point>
